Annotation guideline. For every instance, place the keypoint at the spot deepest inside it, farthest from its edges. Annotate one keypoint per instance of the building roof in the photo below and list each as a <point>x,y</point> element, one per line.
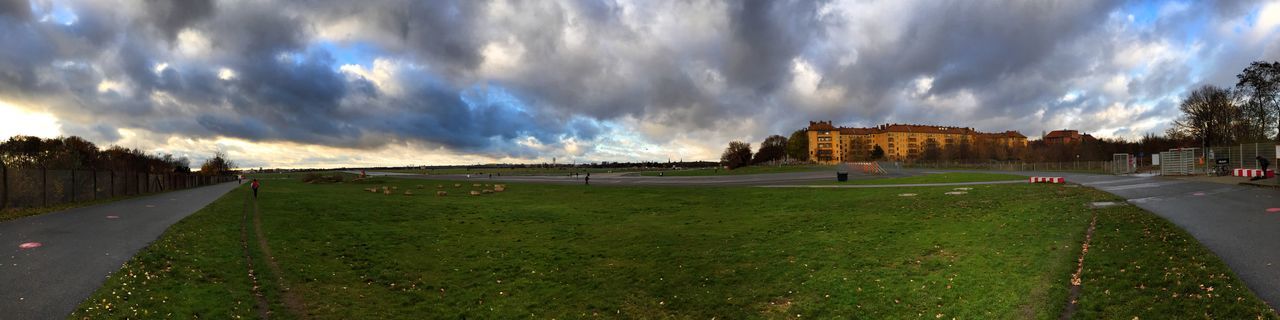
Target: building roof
<point>1062,134</point>
<point>910,128</point>
<point>860,131</point>
<point>821,125</point>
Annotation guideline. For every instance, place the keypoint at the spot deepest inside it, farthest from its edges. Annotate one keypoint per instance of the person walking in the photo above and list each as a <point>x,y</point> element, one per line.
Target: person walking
<point>587,180</point>
<point>254,185</point>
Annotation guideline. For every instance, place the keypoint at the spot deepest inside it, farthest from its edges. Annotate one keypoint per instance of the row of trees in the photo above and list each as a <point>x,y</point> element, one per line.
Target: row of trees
<point>774,148</point>
<point>77,153</point>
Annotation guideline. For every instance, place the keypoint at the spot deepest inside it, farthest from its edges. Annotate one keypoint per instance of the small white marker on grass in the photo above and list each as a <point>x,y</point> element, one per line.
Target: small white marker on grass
<point>956,193</point>
<point>906,194</point>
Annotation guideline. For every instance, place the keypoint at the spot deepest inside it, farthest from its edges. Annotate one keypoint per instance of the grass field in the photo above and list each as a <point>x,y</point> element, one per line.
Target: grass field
<point>738,171</point>
<point>946,177</point>
<point>514,171</point>
<point>561,251</point>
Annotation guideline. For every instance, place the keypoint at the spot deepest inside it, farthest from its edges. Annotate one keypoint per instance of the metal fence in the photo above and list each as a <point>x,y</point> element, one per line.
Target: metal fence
<point>1086,166</point>
<point>1123,163</point>
<point>1245,155</point>
<point>1178,162</point>
<point>33,188</point>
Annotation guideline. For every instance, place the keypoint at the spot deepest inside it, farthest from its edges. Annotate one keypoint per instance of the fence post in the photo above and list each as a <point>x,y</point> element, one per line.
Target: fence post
<point>44,187</point>
<point>73,184</point>
<point>113,183</point>
<point>4,196</point>
<point>95,184</point>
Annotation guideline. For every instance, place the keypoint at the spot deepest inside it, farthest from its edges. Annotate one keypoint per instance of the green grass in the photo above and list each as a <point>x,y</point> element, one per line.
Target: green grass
<point>946,177</point>
<point>569,251</point>
<point>513,171</point>
<point>739,171</point>
<point>1143,266</point>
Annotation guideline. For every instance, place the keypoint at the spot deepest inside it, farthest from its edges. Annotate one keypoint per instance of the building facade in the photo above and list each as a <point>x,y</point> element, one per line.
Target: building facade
<point>1065,137</point>
<point>828,143</point>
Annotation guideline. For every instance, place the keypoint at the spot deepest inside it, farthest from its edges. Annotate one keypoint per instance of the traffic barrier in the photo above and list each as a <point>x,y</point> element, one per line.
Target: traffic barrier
<point>1253,173</point>
<point>1048,180</point>
<point>867,167</point>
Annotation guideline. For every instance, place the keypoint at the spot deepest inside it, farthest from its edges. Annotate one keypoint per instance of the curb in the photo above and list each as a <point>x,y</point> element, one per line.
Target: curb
<point>1261,185</point>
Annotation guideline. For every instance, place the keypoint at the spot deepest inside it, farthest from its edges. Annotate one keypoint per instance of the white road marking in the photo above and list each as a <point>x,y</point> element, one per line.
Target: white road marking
<point>1142,185</point>
<point>1090,184</point>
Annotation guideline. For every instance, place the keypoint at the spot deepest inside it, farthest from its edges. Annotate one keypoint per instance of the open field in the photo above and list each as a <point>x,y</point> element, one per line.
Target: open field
<point>738,171</point>
<point>569,251</point>
<point>514,171</point>
<point>947,177</point>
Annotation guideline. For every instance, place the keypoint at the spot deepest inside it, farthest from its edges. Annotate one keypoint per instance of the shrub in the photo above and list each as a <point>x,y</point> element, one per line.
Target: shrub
<point>318,178</point>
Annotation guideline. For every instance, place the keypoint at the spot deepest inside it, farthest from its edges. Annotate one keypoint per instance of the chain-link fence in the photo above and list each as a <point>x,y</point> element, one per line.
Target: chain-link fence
<point>1081,166</point>
<point>1244,156</point>
<point>33,188</point>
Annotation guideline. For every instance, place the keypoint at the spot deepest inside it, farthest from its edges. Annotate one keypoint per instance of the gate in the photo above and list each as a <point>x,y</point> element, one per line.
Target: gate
<point>1122,163</point>
<point>1178,162</point>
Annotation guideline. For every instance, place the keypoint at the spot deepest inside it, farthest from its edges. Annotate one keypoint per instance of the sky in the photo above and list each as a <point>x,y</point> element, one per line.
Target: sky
<point>329,83</point>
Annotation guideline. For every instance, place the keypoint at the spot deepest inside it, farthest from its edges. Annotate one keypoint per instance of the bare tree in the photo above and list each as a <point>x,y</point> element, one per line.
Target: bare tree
<point>1259,87</point>
<point>1209,115</point>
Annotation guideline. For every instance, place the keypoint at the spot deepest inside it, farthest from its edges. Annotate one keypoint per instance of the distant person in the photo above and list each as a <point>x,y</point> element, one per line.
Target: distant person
<point>587,180</point>
<point>239,179</point>
<point>254,185</point>
<point>1264,163</point>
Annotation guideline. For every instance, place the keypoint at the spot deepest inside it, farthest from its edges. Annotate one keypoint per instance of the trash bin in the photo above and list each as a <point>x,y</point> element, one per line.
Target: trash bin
<point>842,172</point>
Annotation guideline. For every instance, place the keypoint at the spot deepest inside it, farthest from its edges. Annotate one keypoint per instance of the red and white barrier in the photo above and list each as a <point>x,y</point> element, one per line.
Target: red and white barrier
<point>1253,173</point>
<point>1048,180</point>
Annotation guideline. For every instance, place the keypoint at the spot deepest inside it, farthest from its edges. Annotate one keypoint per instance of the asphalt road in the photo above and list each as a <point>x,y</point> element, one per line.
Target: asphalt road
<point>80,247</point>
<point>1231,220</point>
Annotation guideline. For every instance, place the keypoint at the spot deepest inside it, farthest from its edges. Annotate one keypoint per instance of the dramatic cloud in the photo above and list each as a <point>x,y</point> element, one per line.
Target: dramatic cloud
<point>316,83</point>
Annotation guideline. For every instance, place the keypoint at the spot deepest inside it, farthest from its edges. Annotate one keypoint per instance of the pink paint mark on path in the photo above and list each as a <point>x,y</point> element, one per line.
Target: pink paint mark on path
<point>113,217</point>
<point>1198,194</point>
<point>1273,210</point>
<point>29,245</point>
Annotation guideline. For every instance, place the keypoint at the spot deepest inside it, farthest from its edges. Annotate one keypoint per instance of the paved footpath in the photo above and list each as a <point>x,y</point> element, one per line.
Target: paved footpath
<point>1239,223</point>
<point>80,247</point>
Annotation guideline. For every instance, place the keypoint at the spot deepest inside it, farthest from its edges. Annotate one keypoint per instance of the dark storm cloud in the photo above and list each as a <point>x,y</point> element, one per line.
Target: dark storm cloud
<point>767,35</point>
<point>488,76</point>
<point>171,16</point>
<point>1008,54</point>
<point>18,9</point>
